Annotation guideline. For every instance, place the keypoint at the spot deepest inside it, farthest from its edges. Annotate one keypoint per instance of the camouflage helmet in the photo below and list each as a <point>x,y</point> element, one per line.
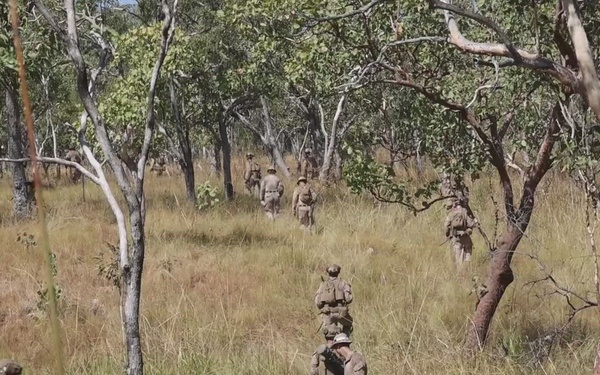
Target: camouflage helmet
<point>307,150</point>
<point>249,155</point>
<point>339,339</point>
<point>331,330</point>
<point>271,168</point>
<point>333,269</point>
<point>301,178</point>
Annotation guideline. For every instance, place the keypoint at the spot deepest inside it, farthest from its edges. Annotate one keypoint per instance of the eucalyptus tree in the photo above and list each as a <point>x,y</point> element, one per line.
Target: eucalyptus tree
<point>127,166</point>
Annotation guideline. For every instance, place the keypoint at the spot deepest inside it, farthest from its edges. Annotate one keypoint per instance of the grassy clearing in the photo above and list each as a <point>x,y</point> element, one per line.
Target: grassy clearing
<point>227,292</point>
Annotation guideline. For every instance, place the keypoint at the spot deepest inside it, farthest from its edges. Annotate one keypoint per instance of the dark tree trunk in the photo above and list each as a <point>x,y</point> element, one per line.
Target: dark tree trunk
<point>215,158</point>
<point>314,122</point>
<point>187,167</point>
<point>226,149</point>
<point>22,199</point>
<point>186,161</point>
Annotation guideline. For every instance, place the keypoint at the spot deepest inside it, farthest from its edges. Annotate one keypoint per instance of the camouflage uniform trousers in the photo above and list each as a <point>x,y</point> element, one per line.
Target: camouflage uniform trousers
<point>272,204</point>
<point>463,248</point>
<point>253,186</point>
<point>306,216</point>
<point>337,315</point>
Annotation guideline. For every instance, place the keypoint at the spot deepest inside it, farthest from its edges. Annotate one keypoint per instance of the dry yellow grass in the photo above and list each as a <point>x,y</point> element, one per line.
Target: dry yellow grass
<point>226,292</point>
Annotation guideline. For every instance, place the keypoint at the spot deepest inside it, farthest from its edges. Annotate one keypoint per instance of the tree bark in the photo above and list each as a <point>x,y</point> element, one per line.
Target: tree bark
<point>332,145</point>
<point>132,283</point>
<point>22,199</point>
<point>226,150</point>
<point>314,123</point>
<point>214,156</point>
<point>186,161</point>
<point>337,171</point>
<point>585,58</point>
<point>270,142</point>
<point>500,275</point>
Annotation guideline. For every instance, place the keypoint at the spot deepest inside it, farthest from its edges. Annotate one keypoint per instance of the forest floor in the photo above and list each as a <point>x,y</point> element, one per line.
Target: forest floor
<point>227,292</point>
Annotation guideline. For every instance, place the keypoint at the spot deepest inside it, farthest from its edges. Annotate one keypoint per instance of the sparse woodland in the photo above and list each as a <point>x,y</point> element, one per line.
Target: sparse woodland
<point>180,272</point>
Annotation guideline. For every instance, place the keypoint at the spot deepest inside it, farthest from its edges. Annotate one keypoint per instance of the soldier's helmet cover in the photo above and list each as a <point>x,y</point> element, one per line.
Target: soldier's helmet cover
<point>249,155</point>
<point>271,168</point>
<point>341,338</point>
<point>334,269</point>
<point>307,151</point>
<point>301,178</point>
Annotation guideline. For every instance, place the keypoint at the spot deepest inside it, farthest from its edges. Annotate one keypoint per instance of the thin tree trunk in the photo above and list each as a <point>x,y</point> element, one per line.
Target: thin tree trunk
<point>270,142</point>
<point>327,159</point>
<point>21,196</point>
<point>132,284</point>
<point>226,150</point>
<point>338,164</point>
<point>215,158</point>
<point>183,137</point>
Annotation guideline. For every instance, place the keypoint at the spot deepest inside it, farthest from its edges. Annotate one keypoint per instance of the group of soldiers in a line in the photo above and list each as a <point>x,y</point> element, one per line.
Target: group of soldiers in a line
<point>335,357</point>
<point>270,189</point>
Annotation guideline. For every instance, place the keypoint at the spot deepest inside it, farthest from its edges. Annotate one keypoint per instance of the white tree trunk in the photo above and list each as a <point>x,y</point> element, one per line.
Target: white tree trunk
<point>332,144</point>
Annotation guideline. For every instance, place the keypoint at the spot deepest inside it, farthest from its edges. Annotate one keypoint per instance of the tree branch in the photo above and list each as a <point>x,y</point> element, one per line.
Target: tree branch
<point>362,10</point>
<point>59,161</point>
<point>168,32</point>
<point>585,59</point>
<point>516,56</point>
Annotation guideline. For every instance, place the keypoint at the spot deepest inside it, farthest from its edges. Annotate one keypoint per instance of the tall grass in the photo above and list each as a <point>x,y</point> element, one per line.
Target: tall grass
<point>225,291</point>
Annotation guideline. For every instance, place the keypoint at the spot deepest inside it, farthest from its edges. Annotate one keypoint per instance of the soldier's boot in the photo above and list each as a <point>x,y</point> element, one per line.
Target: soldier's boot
<point>270,213</point>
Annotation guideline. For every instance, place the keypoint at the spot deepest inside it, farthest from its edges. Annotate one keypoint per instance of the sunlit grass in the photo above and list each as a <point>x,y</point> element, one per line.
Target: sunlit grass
<point>227,292</point>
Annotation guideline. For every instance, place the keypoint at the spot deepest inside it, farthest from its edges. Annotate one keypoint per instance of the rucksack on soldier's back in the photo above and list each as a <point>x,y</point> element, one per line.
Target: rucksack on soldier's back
<point>459,220</point>
<point>304,194</point>
<point>331,292</point>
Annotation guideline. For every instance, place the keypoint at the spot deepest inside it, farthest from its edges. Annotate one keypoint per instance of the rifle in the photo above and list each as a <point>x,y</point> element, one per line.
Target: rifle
<point>332,362</point>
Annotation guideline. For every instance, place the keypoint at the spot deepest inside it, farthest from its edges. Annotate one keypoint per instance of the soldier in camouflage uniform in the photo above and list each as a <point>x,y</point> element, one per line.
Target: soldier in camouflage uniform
<point>459,227</point>
<point>252,175</point>
<point>271,190</point>
<point>309,167</point>
<point>332,299</point>
<point>75,157</point>
<point>157,166</point>
<point>332,364</point>
<point>354,362</point>
<point>10,367</point>
<point>303,203</point>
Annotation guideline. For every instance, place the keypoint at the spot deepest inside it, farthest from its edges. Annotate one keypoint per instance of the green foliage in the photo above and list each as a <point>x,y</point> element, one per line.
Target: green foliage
<point>44,294</point>
<point>107,263</point>
<point>206,196</point>
<point>26,239</point>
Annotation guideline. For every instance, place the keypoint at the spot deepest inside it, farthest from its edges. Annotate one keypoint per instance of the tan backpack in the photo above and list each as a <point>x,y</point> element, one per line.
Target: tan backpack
<point>304,194</point>
<point>331,292</point>
<point>459,220</point>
